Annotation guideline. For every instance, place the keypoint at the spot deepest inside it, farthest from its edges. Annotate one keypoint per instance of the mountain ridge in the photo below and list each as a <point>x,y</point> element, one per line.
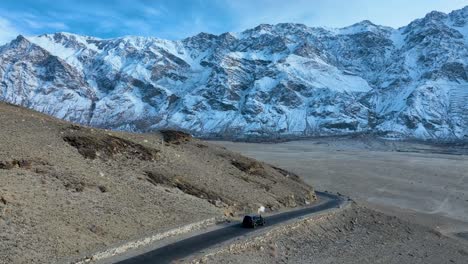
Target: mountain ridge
<point>269,81</point>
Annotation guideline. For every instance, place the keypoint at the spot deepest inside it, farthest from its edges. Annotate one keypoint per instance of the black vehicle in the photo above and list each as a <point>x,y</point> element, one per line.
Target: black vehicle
<point>252,221</point>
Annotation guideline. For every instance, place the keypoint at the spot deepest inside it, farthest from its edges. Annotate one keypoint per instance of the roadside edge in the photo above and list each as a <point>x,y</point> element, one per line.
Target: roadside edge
<point>144,241</point>
<point>251,238</point>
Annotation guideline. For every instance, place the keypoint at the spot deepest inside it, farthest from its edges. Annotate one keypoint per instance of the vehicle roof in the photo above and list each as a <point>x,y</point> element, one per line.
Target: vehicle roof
<point>252,215</point>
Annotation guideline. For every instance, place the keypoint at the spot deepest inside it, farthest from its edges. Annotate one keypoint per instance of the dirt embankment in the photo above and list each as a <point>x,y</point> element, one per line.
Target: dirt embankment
<point>355,235</point>
<point>66,189</point>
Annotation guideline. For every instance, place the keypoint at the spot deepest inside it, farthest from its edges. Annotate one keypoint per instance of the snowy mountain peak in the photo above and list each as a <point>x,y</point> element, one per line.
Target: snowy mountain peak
<point>459,18</point>
<point>262,27</point>
<point>273,80</point>
<point>460,12</point>
<point>435,15</point>
<point>363,26</point>
<point>20,41</point>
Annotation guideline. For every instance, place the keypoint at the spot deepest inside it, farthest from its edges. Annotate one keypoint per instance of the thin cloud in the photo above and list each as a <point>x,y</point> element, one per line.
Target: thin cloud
<point>46,25</point>
<point>172,19</point>
<point>7,31</point>
<point>335,13</point>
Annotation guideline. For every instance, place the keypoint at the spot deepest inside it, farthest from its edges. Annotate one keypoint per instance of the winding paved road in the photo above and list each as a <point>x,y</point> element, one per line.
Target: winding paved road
<point>184,248</point>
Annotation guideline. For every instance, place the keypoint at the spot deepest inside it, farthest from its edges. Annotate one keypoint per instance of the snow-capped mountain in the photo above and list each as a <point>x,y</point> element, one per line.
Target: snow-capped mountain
<point>272,80</point>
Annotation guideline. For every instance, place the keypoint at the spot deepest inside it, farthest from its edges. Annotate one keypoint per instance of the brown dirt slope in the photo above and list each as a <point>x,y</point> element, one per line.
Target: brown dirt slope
<point>67,189</point>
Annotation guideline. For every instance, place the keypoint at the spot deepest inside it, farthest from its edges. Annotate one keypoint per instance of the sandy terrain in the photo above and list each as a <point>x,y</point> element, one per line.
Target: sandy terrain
<point>67,190</point>
<point>422,183</point>
<point>355,235</point>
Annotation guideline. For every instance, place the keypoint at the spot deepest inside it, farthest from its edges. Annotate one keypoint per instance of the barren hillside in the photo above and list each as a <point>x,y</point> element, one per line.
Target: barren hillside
<point>67,189</point>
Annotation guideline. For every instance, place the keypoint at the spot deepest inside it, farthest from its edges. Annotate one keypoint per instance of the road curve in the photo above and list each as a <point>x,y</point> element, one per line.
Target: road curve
<point>184,248</point>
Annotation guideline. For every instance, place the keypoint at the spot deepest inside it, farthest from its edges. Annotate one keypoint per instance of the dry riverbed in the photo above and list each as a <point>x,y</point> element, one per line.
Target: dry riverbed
<point>422,183</point>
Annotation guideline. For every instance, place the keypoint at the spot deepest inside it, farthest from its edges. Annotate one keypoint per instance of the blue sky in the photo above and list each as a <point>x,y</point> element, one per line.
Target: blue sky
<point>176,19</point>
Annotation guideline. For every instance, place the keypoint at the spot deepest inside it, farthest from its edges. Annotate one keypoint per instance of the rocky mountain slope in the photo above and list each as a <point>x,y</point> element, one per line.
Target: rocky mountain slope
<point>269,81</point>
<point>68,190</point>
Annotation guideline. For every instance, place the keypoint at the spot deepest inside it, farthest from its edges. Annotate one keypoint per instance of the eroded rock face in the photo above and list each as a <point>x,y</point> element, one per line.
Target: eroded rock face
<point>272,80</point>
<point>175,137</point>
<point>106,147</point>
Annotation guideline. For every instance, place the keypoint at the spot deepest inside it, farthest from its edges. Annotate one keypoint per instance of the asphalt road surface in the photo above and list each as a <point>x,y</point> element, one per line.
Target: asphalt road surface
<point>184,248</point>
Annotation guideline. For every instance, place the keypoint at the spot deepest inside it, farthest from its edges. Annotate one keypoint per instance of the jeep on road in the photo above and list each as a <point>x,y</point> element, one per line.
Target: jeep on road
<point>252,221</point>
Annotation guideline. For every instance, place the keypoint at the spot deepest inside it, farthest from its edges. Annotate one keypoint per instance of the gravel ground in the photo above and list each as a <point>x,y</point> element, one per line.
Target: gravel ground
<point>355,235</point>
<point>67,190</point>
